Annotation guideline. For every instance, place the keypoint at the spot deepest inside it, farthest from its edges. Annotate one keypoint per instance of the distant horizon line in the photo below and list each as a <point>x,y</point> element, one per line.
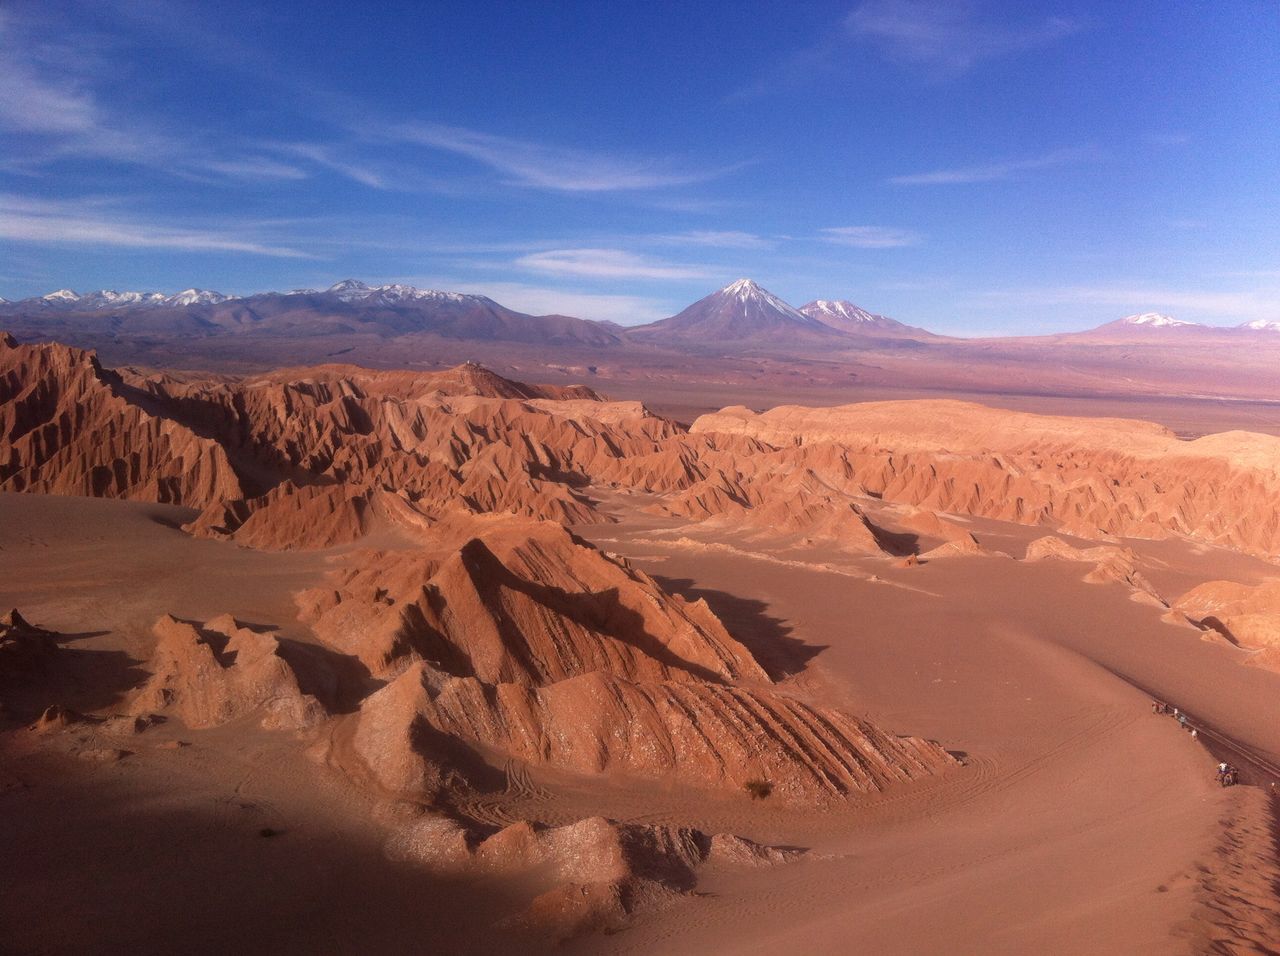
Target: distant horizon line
<point>358,284</point>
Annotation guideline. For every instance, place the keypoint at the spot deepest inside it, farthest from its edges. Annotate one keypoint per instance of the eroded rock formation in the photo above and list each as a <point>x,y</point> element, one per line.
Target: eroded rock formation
<point>512,600</point>
<point>320,456</point>
<point>67,428</point>
<point>1094,476</point>
<point>220,672</point>
<point>1245,615</point>
<point>1111,565</point>
<point>526,644</point>
<point>591,875</point>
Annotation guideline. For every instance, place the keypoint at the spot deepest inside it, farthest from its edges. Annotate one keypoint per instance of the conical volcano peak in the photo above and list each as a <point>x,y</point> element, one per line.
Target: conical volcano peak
<point>741,312</point>
<point>742,287</point>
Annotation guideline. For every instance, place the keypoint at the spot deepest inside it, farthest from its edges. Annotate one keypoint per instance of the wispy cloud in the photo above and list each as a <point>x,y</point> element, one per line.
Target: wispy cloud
<point>255,167</point>
<point>326,157</point>
<point>543,166</point>
<point>32,104</point>
<point>993,172</point>
<point>87,223</point>
<point>938,39</point>
<point>870,237</point>
<point>729,239</point>
<point>51,96</point>
<point>949,35</point>
<point>607,264</point>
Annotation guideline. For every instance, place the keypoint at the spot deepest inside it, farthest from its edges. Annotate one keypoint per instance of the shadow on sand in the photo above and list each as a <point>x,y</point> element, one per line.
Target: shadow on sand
<point>766,637</point>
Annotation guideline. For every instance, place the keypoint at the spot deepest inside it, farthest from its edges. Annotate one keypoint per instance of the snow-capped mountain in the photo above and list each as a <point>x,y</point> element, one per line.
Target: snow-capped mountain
<point>1155,320</point>
<point>347,307</point>
<point>838,310</point>
<point>1262,325</point>
<point>847,317</point>
<point>196,297</point>
<point>353,290</point>
<point>61,297</point>
<point>111,299</point>
<point>741,312</point>
<point>1153,327</point>
<point>756,300</point>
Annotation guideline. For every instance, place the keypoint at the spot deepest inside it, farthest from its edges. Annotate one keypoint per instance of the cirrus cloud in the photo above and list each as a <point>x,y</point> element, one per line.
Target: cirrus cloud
<point>994,172</point>
<point>607,264</point>
<point>870,237</point>
<point>543,166</point>
<point>77,223</point>
<point>949,35</point>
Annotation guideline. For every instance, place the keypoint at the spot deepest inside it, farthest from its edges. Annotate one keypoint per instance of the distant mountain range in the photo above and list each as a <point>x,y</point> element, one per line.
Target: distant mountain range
<point>741,316</point>
<point>348,307</point>
<point>847,317</point>
<point>745,314</point>
<point>1156,326</point>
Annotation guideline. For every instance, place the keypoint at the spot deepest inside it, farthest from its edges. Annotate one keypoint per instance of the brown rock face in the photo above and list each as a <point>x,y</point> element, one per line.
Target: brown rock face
<point>513,640</point>
<point>698,735</point>
<point>600,871</point>
<point>330,452</point>
<point>68,426</point>
<point>314,458</point>
<point>288,516</point>
<point>1248,616</point>
<point>318,457</point>
<point>510,600</point>
<point>1100,476</point>
<point>1112,564</point>
<point>222,672</point>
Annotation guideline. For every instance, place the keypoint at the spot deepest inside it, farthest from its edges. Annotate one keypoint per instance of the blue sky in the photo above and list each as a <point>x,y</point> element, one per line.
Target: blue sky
<point>970,167</point>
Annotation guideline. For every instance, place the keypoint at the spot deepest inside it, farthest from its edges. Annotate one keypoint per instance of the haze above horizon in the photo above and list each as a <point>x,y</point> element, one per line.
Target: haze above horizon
<point>967,167</point>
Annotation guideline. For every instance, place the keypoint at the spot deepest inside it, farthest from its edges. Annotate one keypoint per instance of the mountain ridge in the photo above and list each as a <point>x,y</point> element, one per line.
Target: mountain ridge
<point>741,313</point>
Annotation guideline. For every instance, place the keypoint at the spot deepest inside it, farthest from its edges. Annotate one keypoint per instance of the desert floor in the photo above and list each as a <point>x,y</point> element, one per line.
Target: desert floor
<point>1080,822</point>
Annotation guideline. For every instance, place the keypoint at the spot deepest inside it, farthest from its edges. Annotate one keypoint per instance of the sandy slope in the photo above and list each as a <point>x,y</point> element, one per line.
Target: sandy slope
<point>1082,823</point>
<point>1086,819</point>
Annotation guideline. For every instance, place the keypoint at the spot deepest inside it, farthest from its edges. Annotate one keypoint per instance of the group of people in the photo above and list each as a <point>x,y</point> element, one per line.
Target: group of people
<point>1160,707</point>
<point>1228,775</point>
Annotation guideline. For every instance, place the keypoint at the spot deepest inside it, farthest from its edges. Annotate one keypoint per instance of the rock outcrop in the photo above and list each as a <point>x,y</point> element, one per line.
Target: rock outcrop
<point>512,640</point>
<point>696,735</point>
<point>221,672</point>
<point>26,652</point>
<point>321,456</point>
<point>1111,565</point>
<point>1098,476</point>
<point>68,427</point>
<point>1243,614</point>
<point>511,600</point>
<point>590,876</point>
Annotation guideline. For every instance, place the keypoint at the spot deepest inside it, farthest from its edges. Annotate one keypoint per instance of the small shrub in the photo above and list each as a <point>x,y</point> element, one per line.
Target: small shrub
<point>759,789</point>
